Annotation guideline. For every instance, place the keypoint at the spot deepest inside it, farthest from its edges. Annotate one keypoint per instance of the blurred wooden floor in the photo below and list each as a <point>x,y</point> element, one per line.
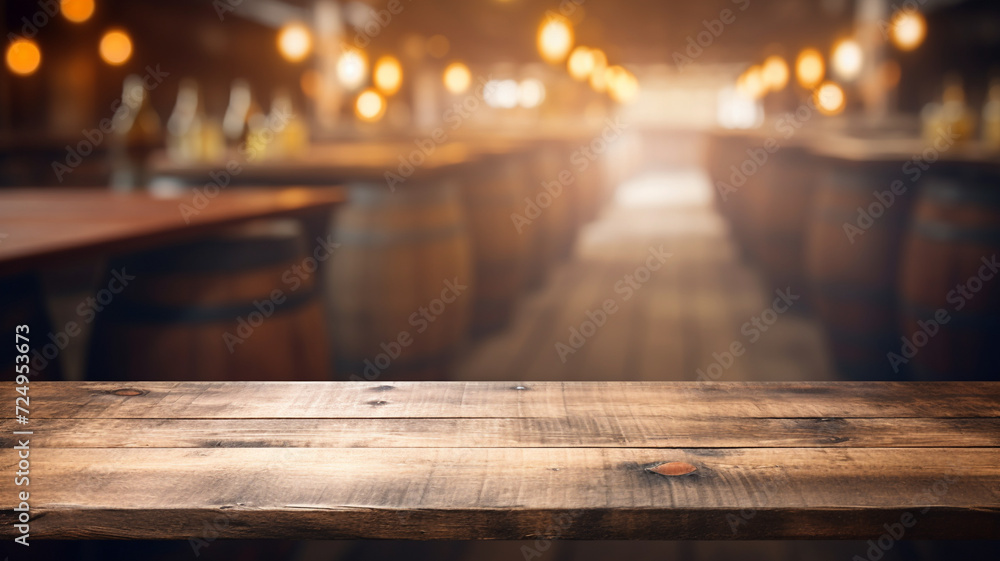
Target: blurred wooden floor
<point>692,307</point>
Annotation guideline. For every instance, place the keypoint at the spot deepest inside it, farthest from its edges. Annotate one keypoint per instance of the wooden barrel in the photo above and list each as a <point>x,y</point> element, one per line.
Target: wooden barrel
<point>500,243</point>
<point>22,303</point>
<point>400,286</point>
<point>854,284</point>
<point>950,296</point>
<point>243,305</point>
<point>778,214</point>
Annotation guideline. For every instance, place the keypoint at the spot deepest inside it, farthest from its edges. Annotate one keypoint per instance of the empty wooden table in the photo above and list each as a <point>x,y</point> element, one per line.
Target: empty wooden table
<point>507,460</point>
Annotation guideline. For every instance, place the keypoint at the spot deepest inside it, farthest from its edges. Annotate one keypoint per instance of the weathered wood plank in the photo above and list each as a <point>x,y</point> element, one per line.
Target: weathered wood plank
<point>507,493</point>
<point>570,432</point>
<point>192,400</point>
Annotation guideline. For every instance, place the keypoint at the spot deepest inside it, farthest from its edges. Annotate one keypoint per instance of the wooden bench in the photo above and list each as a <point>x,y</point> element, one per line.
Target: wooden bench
<point>507,460</point>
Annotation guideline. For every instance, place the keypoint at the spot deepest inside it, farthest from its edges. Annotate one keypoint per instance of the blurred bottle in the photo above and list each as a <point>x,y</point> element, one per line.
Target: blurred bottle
<point>991,115</point>
<point>234,123</point>
<point>136,134</point>
<point>291,135</point>
<point>952,115</point>
<point>184,125</point>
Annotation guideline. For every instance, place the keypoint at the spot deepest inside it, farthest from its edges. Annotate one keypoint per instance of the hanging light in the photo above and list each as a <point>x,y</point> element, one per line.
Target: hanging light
<point>809,68</point>
<point>908,29</point>
<point>116,47</point>
<point>294,42</point>
<point>370,105</point>
<point>774,72</point>
<point>23,57</point>
<point>847,59</point>
<point>555,38</point>
<point>457,78</point>
<point>388,75</point>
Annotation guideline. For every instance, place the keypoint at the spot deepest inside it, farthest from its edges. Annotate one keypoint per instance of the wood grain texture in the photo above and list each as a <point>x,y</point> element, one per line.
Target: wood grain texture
<point>574,460</point>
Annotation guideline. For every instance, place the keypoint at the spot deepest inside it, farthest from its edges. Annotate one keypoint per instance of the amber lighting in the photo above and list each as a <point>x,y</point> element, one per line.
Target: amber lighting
<point>775,73</point>
<point>555,38</point>
<point>77,11</point>
<point>23,57</point>
<point>908,29</point>
<point>457,78</point>
<point>116,47</point>
<point>438,46</point>
<point>580,63</point>
<point>847,59</point>
<point>370,106</point>
<point>294,42</point>
<point>388,75</point>
<point>830,99</point>
<point>352,68</point>
<point>809,68</point>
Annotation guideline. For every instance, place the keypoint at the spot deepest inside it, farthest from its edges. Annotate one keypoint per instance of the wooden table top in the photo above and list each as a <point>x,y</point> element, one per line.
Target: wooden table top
<point>43,226</point>
<point>507,460</point>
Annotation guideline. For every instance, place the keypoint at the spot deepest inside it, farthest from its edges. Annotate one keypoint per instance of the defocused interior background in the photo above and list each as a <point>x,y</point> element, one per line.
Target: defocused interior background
<point>723,190</point>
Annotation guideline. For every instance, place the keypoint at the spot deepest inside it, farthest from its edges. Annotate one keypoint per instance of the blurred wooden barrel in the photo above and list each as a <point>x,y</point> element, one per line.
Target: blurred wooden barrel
<point>854,284</point>
<point>950,298</point>
<point>400,286</point>
<point>239,306</point>
<point>777,214</point>
<point>500,243</point>
<point>22,302</point>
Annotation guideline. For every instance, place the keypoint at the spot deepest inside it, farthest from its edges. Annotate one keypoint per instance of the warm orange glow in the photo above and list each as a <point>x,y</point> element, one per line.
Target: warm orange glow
<point>457,78</point>
<point>830,98</point>
<point>622,84</point>
<point>116,47</point>
<point>775,73</point>
<point>580,63</point>
<point>310,83</point>
<point>555,38</point>
<point>77,11</point>
<point>388,75</point>
<point>597,78</point>
<point>809,68</point>
<point>847,59</point>
<point>23,57</point>
<point>908,29</point>
<point>438,46</point>
<point>294,42</point>
<point>751,83</point>
<point>370,106</point>
<point>352,68</point>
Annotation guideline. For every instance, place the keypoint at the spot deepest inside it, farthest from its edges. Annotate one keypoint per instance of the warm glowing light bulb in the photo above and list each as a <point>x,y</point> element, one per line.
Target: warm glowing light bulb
<point>294,42</point>
<point>829,98</point>
<point>370,106</point>
<point>847,59</point>
<point>555,38</point>
<point>775,73</point>
<point>77,11</point>
<point>580,63</point>
<point>809,68</point>
<point>908,29</point>
<point>388,75</point>
<point>352,68</point>
<point>23,57</point>
<point>597,76</point>
<point>751,83</point>
<point>622,85</point>
<point>530,93</point>
<point>457,78</point>
<point>116,47</point>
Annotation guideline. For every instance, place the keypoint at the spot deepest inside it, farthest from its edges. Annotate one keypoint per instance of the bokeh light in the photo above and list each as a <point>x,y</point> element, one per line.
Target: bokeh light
<point>77,11</point>
<point>580,63</point>
<point>555,38</point>
<point>370,105</point>
<point>774,72</point>
<point>908,29</point>
<point>23,57</point>
<point>352,68</point>
<point>294,42</point>
<point>830,99</point>
<point>530,93</point>
<point>116,47</point>
<point>388,75</point>
<point>847,59</point>
<point>809,68</point>
<point>457,78</point>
